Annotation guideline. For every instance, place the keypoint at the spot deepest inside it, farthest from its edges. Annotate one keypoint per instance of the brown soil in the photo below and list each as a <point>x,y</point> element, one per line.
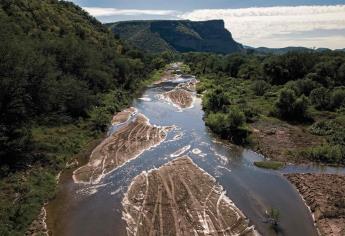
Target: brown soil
<point>181,199</point>
<point>124,145</point>
<point>275,139</point>
<point>180,97</point>
<point>123,116</point>
<point>325,195</point>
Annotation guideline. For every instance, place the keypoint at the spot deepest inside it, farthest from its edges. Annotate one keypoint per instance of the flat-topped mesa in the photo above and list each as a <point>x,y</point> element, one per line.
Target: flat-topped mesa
<point>123,116</point>
<point>124,145</point>
<point>181,199</point>
<point>179,97</point>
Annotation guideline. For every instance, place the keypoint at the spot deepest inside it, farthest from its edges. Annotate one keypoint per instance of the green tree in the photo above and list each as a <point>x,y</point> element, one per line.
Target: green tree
<point>320,98</point>
<point>216,100</point>
<point>289,107</point>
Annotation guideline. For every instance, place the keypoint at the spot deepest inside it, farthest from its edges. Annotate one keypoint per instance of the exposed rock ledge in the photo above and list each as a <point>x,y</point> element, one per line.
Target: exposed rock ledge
<point>181,199</point>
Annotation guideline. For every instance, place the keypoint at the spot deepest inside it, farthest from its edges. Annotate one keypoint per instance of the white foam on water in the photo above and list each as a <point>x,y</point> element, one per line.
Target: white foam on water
<point>145,99</point>
<point>117,191</point>
<point>196,151</point>
<point>223,167</point>
<point>88,191</point>
<point>180,151</point>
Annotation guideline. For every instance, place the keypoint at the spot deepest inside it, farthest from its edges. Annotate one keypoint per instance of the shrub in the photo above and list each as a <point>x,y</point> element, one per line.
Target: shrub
<point>289,107</point>
<point>320,98</point>
<point>260,87</point>
<point>229,125</point>
<point>326,154</point>
<point>322,128</point>
<point>337,99</point>
<point>216,100</point>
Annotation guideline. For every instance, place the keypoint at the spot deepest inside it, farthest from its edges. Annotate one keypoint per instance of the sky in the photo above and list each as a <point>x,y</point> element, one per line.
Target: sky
<point>256,23</point>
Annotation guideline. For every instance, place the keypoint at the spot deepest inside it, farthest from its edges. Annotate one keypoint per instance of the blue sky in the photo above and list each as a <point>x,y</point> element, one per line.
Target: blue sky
<point>269,23</point>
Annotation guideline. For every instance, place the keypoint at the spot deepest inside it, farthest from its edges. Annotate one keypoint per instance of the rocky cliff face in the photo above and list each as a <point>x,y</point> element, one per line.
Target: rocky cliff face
<point>180,36</point>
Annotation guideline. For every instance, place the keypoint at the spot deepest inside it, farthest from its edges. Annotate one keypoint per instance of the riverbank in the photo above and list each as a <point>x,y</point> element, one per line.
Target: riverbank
<point>325,195</point>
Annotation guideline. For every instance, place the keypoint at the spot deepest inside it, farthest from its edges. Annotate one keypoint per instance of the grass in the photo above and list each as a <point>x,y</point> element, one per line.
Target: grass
<point>273,165</point>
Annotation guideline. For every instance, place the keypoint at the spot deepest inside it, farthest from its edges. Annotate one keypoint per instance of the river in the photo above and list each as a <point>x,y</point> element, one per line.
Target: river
<point>90,210</point>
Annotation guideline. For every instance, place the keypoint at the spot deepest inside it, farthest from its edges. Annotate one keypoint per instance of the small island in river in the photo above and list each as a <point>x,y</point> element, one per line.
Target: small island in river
<point>122,146</point>
<point>179,198</point>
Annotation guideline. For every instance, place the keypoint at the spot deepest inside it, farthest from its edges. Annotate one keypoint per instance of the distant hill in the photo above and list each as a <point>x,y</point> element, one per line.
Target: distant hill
<point>277,51</point>
<point>280,51</point>
<point>177,35</point>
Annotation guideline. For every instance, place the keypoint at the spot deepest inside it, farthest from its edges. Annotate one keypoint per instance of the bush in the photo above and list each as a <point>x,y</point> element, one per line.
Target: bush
<point>216,100</point>
<point>260,87</point>
<point>320,98</point>
<point>303,86</point>
<point>229,125</point>
<point>337,99</point>
<point>331,154</point>
<point>322,128</point>
<point>291,108</point>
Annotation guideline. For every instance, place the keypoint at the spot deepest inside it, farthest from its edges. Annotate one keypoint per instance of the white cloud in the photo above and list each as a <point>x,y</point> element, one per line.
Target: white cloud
<point>261,26</point>
<point>100,12</point>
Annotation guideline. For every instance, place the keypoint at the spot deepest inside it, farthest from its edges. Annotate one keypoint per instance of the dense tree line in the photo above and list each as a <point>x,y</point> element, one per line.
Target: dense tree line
<point>56,63</point>
<point>298,87</point>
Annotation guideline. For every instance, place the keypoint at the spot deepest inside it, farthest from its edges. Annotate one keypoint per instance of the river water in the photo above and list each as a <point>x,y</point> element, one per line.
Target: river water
<point>88,210</point>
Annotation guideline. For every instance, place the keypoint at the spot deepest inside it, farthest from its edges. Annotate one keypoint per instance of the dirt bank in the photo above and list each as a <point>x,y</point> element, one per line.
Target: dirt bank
<point>325,195</point>
<point>276,139</point>
<point>181,199</point>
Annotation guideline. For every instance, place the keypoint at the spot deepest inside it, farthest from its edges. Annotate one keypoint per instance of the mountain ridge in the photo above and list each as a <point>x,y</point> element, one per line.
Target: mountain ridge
<point>177,35</point>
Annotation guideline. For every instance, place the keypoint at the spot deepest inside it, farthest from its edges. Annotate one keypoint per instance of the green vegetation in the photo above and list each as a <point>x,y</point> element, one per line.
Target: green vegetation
<point>177,36</point>
<point>274,165</point>
<point>62,76</point>
<point>274,218</point>
<point>304,88</point>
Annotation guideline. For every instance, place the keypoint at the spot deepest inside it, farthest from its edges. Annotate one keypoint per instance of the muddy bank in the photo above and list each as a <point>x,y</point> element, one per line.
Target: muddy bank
<point>325,195</point>
<point>123,145</point>
<point>181,199</point>
<point>276,139</point>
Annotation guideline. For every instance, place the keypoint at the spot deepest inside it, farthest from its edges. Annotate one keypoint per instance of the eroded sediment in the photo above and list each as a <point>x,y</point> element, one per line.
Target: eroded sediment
<point>180,98</point>
<point>120,147</point>
<point>325,195</point>
<point>181,199</point>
